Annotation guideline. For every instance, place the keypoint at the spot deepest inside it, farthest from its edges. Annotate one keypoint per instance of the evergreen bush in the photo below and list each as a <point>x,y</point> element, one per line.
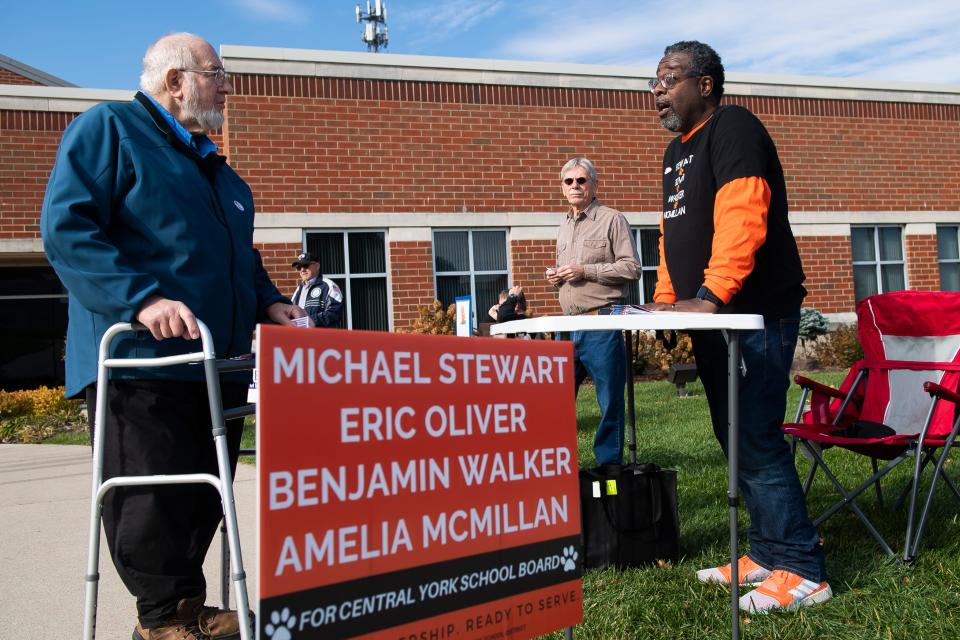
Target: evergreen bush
<point>812,325</point>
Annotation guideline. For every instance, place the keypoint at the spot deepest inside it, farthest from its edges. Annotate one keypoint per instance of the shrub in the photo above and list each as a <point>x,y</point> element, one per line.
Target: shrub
<point>37,414</point>
<point>433,320</point>
<point>812,325</point>
<point>14,403</point>
<point>28,429</point>
<point>50,402</point>
<point>650,354</point>
<point>839,348</point>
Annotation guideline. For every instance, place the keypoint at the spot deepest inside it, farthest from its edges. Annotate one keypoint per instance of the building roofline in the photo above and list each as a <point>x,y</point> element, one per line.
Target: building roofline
<point>25,70</point>
<point>17,97</point>
<point>370,66</point>
<point>388,66</point>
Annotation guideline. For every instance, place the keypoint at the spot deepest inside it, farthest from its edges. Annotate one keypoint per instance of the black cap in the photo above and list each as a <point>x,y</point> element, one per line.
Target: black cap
<point>304,259</point>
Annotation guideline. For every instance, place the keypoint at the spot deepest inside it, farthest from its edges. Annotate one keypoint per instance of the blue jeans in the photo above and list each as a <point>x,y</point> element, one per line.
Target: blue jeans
<point>602,355</point>
<point>781,534</point>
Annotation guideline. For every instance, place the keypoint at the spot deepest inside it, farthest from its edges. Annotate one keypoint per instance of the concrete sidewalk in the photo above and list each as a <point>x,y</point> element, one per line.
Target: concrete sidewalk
<point>44,519</point>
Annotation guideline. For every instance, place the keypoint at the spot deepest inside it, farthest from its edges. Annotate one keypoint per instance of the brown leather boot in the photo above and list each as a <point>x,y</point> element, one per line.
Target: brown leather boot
<point>220,624</point>
<point>176,631</point>
<point>193,621</point>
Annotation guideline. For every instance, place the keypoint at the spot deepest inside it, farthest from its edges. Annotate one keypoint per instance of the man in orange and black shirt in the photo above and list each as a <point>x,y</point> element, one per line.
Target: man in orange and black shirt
<point>726,247</point>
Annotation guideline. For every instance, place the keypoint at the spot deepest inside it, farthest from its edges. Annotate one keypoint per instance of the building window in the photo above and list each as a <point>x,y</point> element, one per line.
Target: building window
<point>877,260</point>
<point>647,240</point>
<point>948,255</point>
<point>357,262</point>
<point>33,324</point>
<point>470,262</point>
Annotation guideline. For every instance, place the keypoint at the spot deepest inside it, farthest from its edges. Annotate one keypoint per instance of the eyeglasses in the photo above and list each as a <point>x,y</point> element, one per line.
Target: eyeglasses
<point>671,80</point>
<point>220,76</point>
<point>570,181</point>
<point>300,267</point>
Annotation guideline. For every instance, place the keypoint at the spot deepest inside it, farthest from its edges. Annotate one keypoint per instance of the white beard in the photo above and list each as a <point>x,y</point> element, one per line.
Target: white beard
<point>208,119</point>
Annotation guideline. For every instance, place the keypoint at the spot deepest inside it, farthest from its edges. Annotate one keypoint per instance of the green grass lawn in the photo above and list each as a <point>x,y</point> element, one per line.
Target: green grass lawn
<point>874,597</point>
<point>69,437</point>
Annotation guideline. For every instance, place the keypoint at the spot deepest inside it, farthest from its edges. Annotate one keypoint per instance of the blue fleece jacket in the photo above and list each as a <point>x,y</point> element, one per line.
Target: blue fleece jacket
<point>130,211</point>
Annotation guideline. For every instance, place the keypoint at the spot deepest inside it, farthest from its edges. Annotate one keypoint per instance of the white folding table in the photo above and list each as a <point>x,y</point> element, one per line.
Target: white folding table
<point>732,324</point>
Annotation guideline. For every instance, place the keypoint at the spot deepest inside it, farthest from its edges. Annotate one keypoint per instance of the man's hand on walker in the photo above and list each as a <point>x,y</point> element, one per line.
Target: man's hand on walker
<point>166,318</point>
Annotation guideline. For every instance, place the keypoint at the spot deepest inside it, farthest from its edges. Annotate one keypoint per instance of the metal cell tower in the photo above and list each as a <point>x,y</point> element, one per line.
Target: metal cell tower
<point>375,31</point>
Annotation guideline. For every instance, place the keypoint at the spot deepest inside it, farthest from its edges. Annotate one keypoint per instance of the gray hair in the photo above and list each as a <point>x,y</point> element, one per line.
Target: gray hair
<point>172,51</point>
<point>580,162</point>
<point>704,61</point>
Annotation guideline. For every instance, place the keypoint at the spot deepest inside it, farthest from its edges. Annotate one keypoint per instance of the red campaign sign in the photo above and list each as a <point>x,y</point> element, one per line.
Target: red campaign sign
<point>415,487</point>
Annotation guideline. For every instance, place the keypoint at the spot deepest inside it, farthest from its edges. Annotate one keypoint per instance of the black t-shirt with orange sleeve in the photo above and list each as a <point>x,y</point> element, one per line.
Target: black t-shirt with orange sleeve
<point>725,221</point>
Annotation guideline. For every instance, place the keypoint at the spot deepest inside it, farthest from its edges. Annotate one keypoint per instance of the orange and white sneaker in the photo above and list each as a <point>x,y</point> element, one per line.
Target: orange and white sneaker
<point>748,573</point>
<point>784,591</point>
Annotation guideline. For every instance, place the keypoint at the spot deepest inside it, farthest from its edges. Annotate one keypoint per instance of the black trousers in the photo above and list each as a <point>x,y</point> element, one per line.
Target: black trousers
<point>158,536</point>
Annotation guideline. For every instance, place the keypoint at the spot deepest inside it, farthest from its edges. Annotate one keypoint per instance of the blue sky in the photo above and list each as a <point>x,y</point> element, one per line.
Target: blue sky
<point>99,43</point>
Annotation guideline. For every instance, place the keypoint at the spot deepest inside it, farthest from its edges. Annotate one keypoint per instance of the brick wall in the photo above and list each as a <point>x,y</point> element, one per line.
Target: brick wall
<point>337,145</point>
<point>411,271</point>
<point>356,146</point>
<point>9,77</point>
<point>828,265</point>
<point>277,257</point>
<point>923,271</point>
<point>877,162</point>
<point>28,146</point>
<point>306,154</point>
<point>321,145</point>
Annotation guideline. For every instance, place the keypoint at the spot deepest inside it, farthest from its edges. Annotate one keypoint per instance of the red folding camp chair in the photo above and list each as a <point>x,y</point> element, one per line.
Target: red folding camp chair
<point>898,403</point>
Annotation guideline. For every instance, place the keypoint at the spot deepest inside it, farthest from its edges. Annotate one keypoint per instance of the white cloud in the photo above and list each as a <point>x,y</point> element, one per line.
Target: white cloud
<point>882,39</point>
<point>276,10</point>
<point>436,21</point>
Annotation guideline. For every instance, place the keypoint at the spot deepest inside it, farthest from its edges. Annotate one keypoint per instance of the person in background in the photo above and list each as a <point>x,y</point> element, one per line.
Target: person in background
<point>726,247</point>
<point>512,306</point>
<point>319,297</point>
<point>492,311</point>
<point>145,222</point>
<point>598,259</point>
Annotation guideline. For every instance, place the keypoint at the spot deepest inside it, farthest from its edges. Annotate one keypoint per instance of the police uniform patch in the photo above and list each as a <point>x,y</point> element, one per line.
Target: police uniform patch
<point>315,293</point>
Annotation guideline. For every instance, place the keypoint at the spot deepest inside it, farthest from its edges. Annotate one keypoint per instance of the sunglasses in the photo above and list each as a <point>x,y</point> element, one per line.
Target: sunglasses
<point>569,181</point>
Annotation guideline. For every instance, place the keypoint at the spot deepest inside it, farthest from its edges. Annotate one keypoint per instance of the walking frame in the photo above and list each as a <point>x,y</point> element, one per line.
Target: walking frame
<point>223,484</point>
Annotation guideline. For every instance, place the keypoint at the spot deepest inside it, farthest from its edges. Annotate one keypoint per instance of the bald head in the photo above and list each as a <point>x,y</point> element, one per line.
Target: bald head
<point>173,51</point>
<point>184,74</point>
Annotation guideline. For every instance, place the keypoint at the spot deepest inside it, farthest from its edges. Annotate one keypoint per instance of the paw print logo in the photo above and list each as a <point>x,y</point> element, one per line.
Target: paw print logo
<point>569,558</point>
<point>280,625</point>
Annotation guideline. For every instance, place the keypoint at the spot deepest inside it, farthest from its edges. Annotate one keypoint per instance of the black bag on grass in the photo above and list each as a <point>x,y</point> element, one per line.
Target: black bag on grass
<point>629,515</point>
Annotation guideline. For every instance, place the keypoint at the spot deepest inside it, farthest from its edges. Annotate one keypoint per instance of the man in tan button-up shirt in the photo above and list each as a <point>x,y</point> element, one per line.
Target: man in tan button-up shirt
<point>597,261</point>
